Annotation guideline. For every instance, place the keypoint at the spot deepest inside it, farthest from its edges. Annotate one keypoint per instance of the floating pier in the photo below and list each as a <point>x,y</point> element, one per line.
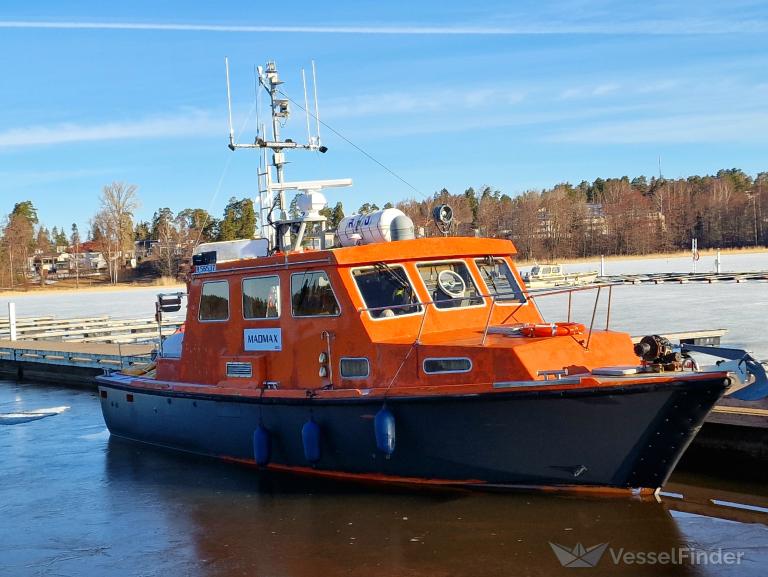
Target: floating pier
<point>68,362</point>
<point>683,278</point>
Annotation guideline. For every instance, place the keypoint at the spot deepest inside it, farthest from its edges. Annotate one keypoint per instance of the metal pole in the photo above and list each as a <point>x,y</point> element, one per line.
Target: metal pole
<point>12,320</point>
<point>570,297</point>
<point>608,313</point>
<point>694,252</point>
<point>488,320</point>
<point>592,323</point>
<point>421,326</point>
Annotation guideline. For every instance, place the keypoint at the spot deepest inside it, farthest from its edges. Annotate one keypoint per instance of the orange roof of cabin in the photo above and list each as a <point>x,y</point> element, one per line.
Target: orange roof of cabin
<point>398,251</point>
<point>422,248</point>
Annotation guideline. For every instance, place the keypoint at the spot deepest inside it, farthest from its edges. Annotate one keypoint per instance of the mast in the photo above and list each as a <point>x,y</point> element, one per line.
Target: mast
<point>272,199</point>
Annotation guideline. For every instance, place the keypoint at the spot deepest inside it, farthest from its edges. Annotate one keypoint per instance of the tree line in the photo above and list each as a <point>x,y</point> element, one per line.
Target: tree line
<point>614,216</point>
<point>167,240</point>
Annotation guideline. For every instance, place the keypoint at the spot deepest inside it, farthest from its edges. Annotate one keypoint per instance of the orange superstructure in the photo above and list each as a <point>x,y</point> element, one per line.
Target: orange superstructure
<point>460,332</point>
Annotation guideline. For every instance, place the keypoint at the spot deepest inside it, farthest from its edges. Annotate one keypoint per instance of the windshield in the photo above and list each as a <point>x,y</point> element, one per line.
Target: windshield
<point>450,284</point>
<point>387,289</point>
<point>501,283</point>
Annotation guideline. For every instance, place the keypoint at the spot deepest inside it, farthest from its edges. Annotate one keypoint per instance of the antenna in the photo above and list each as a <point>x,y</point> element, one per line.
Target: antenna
<point>257,96</point>
<point>317,110</point>
<point>306,105</point>
<point>229,108</point>
<point>271,179</point>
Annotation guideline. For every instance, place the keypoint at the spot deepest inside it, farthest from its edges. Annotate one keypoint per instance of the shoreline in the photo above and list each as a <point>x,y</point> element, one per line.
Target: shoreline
<point>160,284</point>
<point>704,253</point>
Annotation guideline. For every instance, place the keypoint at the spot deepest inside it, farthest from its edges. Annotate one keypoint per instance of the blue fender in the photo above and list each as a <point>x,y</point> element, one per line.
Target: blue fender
<point>262,446</point>
<point>384,427</point>
<point>310,438</point>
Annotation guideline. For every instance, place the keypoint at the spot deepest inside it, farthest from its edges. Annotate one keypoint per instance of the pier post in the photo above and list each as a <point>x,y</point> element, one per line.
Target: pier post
<point>12,320</point>
<point>717,261</point>
<point>694,253</point>
<point>602,265</point>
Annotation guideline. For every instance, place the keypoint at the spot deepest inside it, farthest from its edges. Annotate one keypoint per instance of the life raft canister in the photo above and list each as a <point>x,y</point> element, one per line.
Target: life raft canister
<point>552,330</point>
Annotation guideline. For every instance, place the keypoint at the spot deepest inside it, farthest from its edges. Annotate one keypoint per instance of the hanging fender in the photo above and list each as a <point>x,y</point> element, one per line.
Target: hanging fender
<point>552,330</point>
<point>310,439</point>
<point>262,446</point>
<point>384,428</point>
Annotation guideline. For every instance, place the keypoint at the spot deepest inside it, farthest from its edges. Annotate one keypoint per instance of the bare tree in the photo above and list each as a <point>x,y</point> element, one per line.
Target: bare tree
<point>114,220</point>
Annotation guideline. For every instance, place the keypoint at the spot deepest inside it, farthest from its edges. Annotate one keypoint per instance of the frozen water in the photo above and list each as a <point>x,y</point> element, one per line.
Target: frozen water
<point>129,303</point>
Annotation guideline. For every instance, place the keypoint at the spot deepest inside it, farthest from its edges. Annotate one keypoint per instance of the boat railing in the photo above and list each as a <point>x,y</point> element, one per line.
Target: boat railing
<point>493,298</point>
<point>570,291</point>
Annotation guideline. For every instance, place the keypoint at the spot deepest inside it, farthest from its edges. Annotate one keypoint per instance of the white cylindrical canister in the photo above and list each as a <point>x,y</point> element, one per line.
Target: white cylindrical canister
<point>370,228</point>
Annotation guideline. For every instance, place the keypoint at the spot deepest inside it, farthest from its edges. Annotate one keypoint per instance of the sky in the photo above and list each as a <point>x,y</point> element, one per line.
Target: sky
<point>515,95</point>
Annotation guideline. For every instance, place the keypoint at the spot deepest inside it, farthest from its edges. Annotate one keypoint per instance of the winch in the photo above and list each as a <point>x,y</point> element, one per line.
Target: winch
<point>658,350</point>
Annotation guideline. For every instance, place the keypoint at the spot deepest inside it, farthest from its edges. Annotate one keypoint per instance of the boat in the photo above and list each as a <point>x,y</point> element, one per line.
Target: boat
<point>368,354</point>
<point>553,275</point>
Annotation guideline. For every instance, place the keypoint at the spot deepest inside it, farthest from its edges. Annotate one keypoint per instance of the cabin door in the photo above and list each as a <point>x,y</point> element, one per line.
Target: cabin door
<point>315,311</point>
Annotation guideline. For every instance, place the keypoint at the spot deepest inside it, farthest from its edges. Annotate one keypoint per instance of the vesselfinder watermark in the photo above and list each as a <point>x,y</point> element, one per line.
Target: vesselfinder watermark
<point>584,557</point>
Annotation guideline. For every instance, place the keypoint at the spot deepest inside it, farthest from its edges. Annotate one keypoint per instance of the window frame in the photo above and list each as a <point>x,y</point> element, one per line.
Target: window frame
<point>499,302</point>
<point>330,284</point>
<point>424,365</point>
<point>367,364</point>
<point>471,275</point>
<point>279,297</point>
<point>418,304</point>
<point>229,299</point>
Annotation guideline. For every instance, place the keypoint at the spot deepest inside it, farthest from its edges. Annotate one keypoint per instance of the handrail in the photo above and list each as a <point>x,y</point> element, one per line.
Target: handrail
<point>425,303</point>
<point>543,293</point>
<point>493,298</point>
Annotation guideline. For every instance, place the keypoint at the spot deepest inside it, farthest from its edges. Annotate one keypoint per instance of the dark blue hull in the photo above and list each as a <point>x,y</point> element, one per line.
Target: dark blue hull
<point>622,437</point>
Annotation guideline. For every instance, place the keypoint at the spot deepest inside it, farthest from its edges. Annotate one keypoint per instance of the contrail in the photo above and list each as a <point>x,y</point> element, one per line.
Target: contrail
<point>603,28</point>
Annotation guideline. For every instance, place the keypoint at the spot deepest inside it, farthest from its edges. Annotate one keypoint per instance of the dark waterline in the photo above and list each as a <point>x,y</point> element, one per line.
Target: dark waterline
<point>75,502</point>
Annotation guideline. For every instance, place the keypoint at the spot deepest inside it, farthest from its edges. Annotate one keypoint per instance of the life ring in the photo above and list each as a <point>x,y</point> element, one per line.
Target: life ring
<point>552,330</point>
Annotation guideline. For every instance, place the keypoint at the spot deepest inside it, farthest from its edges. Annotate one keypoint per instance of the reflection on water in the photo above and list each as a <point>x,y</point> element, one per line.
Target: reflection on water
<point>74,502</point>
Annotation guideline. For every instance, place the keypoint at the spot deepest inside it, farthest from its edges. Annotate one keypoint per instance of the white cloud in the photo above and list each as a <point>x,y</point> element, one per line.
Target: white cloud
<point>648,27</point>
<point>589,91</point>
<point>194,123</point>
<point>429,101</point>
<point>689,129</point>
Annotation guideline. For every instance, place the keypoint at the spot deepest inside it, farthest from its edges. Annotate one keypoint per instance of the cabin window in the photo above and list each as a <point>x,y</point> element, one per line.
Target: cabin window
<point>447,365</point>
<point>355,368</point>
<point>261,297</point>
<point>450,284</point>
<point>214,301</point>
<point>312,295</point>
<point>386,289</point>
<point>500,281</point>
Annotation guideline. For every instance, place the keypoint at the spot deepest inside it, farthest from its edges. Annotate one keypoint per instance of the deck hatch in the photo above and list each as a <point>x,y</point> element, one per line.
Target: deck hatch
<point>239,370</point>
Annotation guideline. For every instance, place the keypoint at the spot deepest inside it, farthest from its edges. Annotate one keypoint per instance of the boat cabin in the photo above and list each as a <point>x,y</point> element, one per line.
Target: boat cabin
<point>391,314</point>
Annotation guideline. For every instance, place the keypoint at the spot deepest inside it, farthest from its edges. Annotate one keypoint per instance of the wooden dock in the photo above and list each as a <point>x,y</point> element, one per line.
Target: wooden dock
<point>68,362</point>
